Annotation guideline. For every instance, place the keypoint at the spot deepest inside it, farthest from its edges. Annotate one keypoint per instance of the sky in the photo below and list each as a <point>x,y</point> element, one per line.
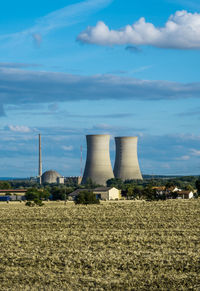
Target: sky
<point>125,68</point>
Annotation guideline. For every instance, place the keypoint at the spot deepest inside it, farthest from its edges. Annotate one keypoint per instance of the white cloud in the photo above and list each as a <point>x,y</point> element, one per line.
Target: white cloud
<point>184,158</point>
<point>19,128</point>
<point>181,31</point>
<point>67,148</point>
<point>63,17</point>
<point>195,152</point>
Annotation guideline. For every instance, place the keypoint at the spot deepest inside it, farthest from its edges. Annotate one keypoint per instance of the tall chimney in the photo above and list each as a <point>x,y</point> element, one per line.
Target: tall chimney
<point>40,161</point>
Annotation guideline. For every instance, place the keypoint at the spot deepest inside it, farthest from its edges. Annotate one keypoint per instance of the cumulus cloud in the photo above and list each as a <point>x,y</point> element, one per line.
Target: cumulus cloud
<point>181,31</point>
<point>31,87</point>
<point>19,128</point>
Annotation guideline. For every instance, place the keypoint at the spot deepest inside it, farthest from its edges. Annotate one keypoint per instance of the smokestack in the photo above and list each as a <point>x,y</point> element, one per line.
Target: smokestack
<point>40,161</point>
<point>126,161</point>
<point>98,166</point>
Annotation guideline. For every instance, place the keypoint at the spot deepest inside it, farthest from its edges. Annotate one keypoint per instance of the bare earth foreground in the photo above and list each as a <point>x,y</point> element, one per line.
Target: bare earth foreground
<point>116,245</point>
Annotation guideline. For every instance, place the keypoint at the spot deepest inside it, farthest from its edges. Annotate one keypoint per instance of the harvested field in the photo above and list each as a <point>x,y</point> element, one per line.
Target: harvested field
<point>111,246</point>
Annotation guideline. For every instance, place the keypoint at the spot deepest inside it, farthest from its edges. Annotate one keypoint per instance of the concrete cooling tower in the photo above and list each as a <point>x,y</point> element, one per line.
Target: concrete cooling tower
<point>98,166</point>
<point>126,161</point>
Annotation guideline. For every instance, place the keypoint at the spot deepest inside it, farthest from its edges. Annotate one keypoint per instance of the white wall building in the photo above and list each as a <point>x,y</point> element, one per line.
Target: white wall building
<point>185,194</point>
<point>102,193</point>
<point>107,193</point>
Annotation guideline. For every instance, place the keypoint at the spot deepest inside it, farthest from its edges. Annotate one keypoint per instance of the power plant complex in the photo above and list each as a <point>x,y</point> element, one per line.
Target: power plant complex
<point>98,166</point>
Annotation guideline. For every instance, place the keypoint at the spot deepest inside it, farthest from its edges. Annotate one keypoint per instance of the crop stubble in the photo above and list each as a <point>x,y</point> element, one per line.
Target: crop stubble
<point>116,245</point>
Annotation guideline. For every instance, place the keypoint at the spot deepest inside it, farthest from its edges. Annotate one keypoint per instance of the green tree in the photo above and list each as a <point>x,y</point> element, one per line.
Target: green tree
<point>4,185</point>
<point>138,191</point>
<point>130,192</point>
<point>44,194</point>
<point>169,184</point>
<point>38,202</point>
<point>30,204</point>
<point>34,194</point>
<point>149,193</point>
<point>86,197</point>
<point>60,193</point>
<point>115,182</point>
<point>174,195</point>
<point>198,187</point>
<point>189,188</point>
<point>90,184</point>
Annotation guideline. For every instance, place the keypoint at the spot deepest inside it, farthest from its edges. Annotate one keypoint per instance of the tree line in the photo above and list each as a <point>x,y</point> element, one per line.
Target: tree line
<point>130,189</point>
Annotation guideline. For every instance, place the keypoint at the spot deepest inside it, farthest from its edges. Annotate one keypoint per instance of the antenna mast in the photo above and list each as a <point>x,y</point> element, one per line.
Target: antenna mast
<point>81,160</point>
<point>40,160</point>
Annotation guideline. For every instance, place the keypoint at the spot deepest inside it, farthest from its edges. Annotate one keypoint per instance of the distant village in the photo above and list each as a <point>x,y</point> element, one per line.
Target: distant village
<point>116,190</point>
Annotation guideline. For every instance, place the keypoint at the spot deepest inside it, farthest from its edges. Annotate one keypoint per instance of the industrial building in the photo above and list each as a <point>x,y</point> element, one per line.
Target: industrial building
<point>73,180</point>
<point>98,165</point>
<point>52,177</point>
<point>12,194</point>
<point>126,161</point>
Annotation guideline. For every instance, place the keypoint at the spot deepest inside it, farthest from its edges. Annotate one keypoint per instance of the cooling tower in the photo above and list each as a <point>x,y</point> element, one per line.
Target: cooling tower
<point>98,166</point>
<point>126,161</point>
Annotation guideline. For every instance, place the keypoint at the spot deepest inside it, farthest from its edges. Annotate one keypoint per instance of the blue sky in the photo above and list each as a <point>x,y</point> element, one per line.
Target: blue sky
<point>71,68</point>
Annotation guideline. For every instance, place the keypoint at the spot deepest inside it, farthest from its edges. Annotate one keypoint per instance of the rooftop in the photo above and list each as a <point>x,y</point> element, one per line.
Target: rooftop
<point>103,189</point>
<point>13,190</point>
